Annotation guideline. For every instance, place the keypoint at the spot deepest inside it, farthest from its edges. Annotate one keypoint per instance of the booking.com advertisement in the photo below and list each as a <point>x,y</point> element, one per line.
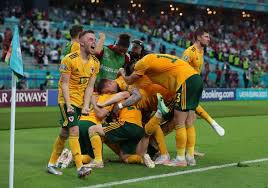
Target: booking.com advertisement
<point>218,95</point>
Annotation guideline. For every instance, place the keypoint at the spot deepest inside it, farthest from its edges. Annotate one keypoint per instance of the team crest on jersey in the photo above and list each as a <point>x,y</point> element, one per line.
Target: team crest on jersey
<point>63,67</point>
<point>71,118</point>
<point>92,70</point>
<point>185,58</point>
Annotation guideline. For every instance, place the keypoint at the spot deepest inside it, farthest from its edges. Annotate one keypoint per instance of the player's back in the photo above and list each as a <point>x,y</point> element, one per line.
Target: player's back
<point>164,69</point>
<point>71,47</point>
<point>130,114</point>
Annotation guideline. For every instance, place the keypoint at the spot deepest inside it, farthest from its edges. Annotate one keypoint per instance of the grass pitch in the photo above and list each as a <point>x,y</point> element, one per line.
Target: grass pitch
<point>246,139</point>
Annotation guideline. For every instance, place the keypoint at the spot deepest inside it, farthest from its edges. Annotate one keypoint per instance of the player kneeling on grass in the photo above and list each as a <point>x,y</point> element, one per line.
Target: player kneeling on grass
<point>130,135</point>
<point>91,144</point>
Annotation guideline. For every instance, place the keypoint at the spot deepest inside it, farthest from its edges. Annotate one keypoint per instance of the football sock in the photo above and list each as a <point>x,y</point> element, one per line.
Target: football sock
<point>160,139</point>
<point>96,143</point>
<point>203,114</point>
<point>152,125</point>
<point>181,139</point>
<point>134,159</point>
<point>57,149</point>
<point>191,138</point>
<point>86,159</point>
<point>76,151</point>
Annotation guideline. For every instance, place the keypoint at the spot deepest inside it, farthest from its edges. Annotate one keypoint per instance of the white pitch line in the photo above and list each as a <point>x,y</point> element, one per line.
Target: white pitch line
<point>172,174</point>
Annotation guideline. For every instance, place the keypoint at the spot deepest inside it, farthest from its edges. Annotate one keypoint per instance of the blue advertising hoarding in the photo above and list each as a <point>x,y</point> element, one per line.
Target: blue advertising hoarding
<point>210,94</point>
<point>251,94</point>
<point>52,97</point>
<point>220,94</point>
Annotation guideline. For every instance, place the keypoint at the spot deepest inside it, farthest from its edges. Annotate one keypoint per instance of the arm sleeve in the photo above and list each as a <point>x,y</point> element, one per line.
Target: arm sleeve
<point>187,56</point>
<point>122,84</point>
<point>97,68</point>
<point>65,66</point>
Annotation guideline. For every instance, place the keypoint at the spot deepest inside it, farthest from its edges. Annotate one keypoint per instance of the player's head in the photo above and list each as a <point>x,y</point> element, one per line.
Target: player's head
<point>87,40</point>
<point>202,36</point>
<point>75,31</point>
<point>107,86</point>
<point>136,50</point>
<point>137,46</point>
<point>122,44</point>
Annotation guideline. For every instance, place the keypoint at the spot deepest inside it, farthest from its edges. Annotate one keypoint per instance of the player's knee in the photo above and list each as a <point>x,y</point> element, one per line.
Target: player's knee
<point>92,130</point>
<point>190,119</point>
<point>74,131</point>
<point>64,134</point>
<point>179,126</point>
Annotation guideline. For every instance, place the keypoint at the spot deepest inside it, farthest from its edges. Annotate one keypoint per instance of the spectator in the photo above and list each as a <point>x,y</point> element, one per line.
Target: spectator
<point>246,77</point>
<point>218,73</point>
<point>54,56</point>
<point>6,42</point>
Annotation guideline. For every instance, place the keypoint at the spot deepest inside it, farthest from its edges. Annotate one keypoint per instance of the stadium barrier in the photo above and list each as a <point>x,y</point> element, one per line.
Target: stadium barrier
<point>218,94</point>
<point>251,94</point>
<point>50,96</point>
<point>24,98</point>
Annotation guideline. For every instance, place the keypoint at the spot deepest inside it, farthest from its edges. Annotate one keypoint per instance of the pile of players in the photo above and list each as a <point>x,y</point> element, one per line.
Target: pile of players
<point>128,102</point>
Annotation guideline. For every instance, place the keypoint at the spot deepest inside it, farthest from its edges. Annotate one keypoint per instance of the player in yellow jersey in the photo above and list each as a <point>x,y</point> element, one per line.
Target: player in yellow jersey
<point>179,77</point>
<point>91,145</point>
<point>76,84</point>
<point>73,45</point>
<point>194,55</point>
<point>147,105</point>
<point>125,116</point>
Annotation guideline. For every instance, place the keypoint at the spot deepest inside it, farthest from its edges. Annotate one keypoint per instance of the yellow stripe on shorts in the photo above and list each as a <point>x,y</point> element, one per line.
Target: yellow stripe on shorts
<point>112,126</point>
<point>65,123</point>
<point>183,96</point>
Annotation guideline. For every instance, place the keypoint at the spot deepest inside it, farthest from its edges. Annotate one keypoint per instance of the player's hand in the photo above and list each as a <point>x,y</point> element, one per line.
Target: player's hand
<point>102,36</point>
<point>100,105</point>
<point>116,110</point>
<point>121,71</point>
<point>70,109</point>
<point>85,111</point>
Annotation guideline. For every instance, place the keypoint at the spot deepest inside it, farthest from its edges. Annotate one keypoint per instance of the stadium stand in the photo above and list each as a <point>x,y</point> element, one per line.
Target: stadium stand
<point>243,47</point>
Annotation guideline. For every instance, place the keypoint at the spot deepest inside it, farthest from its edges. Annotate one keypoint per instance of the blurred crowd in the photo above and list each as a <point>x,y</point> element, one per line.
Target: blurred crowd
<point>243,44</point>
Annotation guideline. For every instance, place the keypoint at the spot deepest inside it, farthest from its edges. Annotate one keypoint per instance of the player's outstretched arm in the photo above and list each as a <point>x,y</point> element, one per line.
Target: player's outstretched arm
<point>129,79</point>
<point>100,43</point>
<point>115,98</point>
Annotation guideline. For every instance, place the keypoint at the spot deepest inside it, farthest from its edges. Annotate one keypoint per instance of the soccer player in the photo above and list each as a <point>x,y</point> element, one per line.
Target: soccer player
<point>113,57</point>
<point>178,77</point>
<point>73,45</point>
<point>147,105</point>
<point>78,75</point>
<point>91,145</point>
<point>194,55</point>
